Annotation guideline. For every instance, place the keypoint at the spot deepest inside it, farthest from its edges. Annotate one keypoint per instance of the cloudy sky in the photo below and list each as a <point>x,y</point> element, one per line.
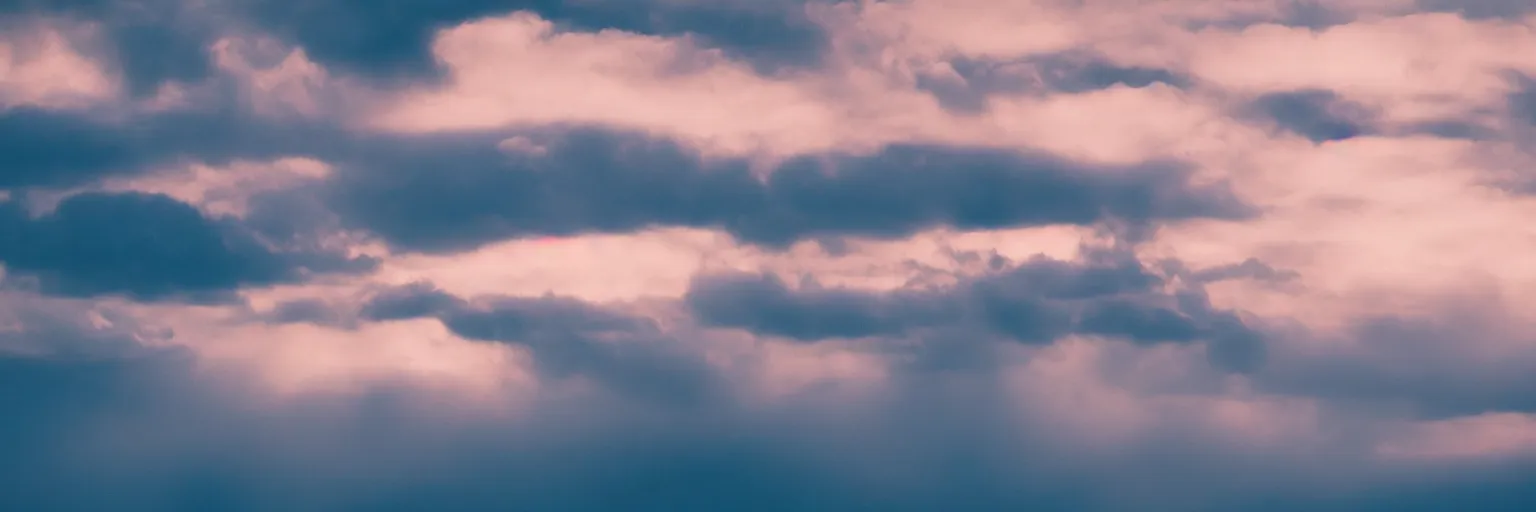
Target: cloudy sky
<point>767,255</point>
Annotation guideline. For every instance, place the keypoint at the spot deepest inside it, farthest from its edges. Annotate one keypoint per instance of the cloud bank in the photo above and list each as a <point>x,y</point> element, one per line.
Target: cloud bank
<point>776,255</point>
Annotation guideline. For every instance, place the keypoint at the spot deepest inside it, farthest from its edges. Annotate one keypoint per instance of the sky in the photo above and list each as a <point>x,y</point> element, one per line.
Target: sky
<point>767,255</point>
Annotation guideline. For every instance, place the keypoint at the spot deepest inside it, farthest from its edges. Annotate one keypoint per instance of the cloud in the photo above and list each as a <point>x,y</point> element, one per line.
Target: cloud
<point>1455,67</point>
<point>243,189</point>
<point>1495,434</point>
<point>41,66</point>
<point>1420,365</point>
<point>32,326</point>
<point>1522,101</point>
<point>1038,301</point>
<point>659,84</point>
<point>397,43</point>
<point>1480,9</point>
<point>52,149</point>
<point>415,300</point>
<point>143,245</point>
<point>1320,116</point>
<point>49,148</point>
<point>771,255</point>
<point>1249,268</point>
<point>147,431</point>
<point>626,354</point>
<point>966,84</point>
<point>436,195</point>
<point>151,43</point>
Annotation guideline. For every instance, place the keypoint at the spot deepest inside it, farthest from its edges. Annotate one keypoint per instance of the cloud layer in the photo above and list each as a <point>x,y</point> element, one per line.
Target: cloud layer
<point>773,255</point>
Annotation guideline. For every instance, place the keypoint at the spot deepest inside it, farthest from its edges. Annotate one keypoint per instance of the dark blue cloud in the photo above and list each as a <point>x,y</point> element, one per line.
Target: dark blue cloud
<point>416,300</point>
<point>568,337</point>
<point>60,374</point>
<point>305,311</point>
<point>43,148</point>
<point>392,39</point>
<point>1037,301</point>
<point>1127,319</point>
<point>150,41</point>
<point>144,246</point>
<point>152,247</point>
<point>1067,72</point>
<point>140,429</point>
<point>371,453</point>
<point>147,433</point>
<point>513,319</point>
<point>1318,115</point>
<point>46,404</point>
<point>158,41</point>
<point>764,304</point>
<point>628,354</point>
<point>439,194</point>
<point>1414,364</point>
<point>53,149</point>
<point>1522,101</point>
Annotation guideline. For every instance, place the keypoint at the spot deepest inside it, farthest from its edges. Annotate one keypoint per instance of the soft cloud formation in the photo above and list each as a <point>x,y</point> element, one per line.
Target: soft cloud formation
<point>767,255</point>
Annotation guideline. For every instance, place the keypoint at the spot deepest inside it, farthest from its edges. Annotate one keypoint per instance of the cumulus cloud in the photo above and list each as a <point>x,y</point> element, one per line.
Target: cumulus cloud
<point>767,255</point>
